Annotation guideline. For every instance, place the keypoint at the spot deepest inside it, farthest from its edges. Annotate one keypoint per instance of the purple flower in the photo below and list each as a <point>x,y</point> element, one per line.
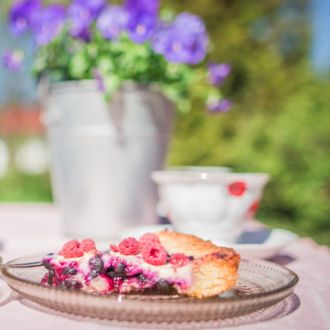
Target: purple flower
<point>223,105</point>
<point>79,23</point>
<point>161,37</point>
<point>95,7</point>
<point>185,41</point>
<point>81,33</point>
<point>12,60</point>
<point>218,73</point>
<point>48,23</point>
<point>21,15</point>
<point>112,22</point>
<point>81,14</point>
<point>80,20</point>
<point>143,18</point>
<point>149,7</point>
<point>141,28</point>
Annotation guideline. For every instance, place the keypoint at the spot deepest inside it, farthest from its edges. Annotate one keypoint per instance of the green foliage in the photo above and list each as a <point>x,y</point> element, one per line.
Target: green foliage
<point>119,61</point>
<point>18,187</point>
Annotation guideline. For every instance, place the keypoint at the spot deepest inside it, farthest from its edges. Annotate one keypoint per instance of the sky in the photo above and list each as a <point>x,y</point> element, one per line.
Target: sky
<point>320,47</point>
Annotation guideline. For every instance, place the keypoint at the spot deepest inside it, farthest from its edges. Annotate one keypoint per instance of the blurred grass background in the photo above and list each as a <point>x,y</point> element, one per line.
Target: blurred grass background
<point>279,124</point>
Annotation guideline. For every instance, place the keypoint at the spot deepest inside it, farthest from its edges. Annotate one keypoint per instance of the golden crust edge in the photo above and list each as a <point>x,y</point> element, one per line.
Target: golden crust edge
<point>212,275</point>
<point>191,245</point>
<point>215,269</point>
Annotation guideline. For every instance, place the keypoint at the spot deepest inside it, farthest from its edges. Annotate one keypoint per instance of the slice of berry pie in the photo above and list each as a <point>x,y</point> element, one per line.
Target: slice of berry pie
<point>164,262</point>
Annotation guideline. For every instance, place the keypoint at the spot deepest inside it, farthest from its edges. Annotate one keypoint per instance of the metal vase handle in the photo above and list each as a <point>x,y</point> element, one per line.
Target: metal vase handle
<point>47,117</point>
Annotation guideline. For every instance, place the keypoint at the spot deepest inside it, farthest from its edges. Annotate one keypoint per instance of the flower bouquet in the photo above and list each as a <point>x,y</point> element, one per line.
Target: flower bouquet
<point>116,73</point>
<point>91,39</point>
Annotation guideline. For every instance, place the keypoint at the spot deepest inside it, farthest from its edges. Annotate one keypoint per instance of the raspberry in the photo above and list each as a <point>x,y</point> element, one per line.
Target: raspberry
<point>72,249</point>
<point>179,259</point>
<point>237,188</point>
<point>148,238</point>
<point>154,254</point>
<point>114,248</point>
<point>129,246</point>
<point>88,245</point>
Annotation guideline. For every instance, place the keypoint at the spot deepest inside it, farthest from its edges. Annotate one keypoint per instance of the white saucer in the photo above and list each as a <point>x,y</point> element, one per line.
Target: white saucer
<point>262,243</point>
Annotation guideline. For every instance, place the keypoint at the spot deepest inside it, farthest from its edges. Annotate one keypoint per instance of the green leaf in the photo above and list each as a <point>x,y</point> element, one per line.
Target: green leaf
<point>112,83</point>
<point>78,66</point>
<point>105,64</point>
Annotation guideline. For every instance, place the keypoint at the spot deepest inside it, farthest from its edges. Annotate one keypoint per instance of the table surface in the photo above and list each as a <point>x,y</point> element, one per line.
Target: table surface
<point>32,228</point>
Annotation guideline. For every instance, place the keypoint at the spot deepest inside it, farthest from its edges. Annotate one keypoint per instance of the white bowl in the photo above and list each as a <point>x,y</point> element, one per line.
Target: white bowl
<point>210,204</point>
<point>198,169</point>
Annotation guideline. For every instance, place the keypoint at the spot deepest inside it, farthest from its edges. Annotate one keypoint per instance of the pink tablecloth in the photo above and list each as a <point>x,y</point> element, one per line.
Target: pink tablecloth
<point>28,229</point>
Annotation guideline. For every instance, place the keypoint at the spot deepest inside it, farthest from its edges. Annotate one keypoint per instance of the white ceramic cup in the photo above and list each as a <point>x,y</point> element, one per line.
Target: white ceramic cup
<point>210,204</point>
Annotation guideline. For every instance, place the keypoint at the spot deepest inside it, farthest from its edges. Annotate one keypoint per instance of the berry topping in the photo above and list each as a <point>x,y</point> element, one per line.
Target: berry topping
<point>237,188</point>
<point>114,248</point>
<point>96,263</point>
<point>111,273</point>
<point>120,268</point>
<point>179,259</point>
<point>70,271</point>
<point>72,249</point>
<point>88,245</point>
<point>117,271</point>
<point>141,278</point>
<point>129,246</point>
<point>154,254</point>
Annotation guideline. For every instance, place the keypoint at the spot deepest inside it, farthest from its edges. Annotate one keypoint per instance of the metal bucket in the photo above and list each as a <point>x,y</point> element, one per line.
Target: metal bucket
<point>102,155</point>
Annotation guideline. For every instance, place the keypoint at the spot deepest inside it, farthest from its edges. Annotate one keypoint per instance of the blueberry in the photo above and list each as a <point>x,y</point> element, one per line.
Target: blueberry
<point>120,268</point>
<point>111,274</point>
<point>142,278</point>
<point>191,258</point>
<point>110,269</point>
<point>96,263</point>
<point>69,271</point>
<point>94,273</point>
<point>163,286</point>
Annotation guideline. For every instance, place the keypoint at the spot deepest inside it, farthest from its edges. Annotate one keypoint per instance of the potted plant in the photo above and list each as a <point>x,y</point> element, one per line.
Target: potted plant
<point>111,76</point>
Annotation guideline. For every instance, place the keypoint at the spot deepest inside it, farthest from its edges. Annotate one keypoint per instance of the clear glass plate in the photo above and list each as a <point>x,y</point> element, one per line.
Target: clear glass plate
<point>261,284</point>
